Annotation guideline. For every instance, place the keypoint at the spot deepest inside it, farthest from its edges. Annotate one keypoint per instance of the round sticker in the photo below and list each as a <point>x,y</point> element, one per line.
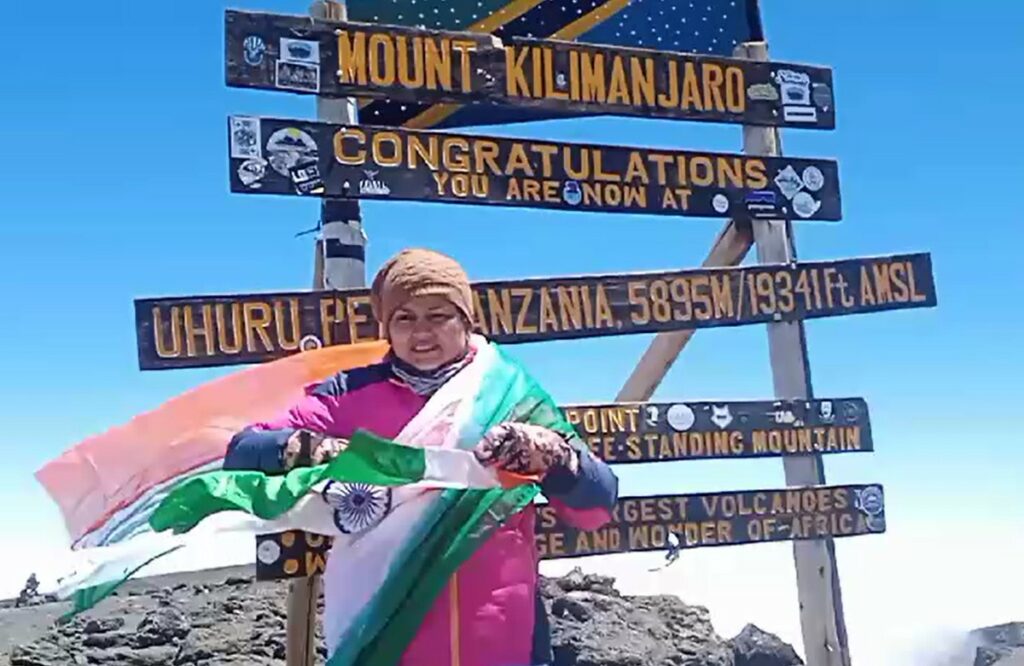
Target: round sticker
<point>268,552</point>
<point>805,205</point>
<point>680,417</point>
<point>571,193</point>
<point>870,501</point>
<point>253,49</point>
<point>251,172</point>
<point>720,202</point>
<point>288,148</point>
<point>310,342</point>
<point>813,178</point>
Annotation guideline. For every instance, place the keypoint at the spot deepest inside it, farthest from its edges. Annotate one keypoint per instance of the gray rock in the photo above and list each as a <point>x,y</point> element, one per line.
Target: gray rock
<point>216,620</point>
<point>107,640</point>
<point>159,655</point>
<point>46,652</point>
<point>594,625</point>
<point>164,626</point>
<point>999,645</point>
<point>754,647</point>
<point>102,625</point>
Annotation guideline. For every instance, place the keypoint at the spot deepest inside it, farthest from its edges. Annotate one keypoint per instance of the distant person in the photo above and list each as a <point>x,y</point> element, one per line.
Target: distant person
<point>490,613</point>
<point>29,592</point>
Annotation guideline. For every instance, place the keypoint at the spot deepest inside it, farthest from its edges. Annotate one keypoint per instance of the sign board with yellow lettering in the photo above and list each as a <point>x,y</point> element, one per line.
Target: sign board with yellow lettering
<point>621,433</point>
<point>415,65</point>
<point>719,519</point>
<point>645,524</point>
<point>203,331</point>
<point>299,158</point>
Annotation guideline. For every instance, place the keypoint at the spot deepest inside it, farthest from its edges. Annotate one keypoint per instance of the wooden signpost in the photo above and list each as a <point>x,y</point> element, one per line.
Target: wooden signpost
<point>201,331</point>
<point>644,523</point>
<point>298,158</point>
<point>339,162</point>
<point>402,63</point>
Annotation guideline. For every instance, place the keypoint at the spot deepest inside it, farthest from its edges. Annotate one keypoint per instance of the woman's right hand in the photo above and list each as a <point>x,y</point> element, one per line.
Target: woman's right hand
<point>306,448</point>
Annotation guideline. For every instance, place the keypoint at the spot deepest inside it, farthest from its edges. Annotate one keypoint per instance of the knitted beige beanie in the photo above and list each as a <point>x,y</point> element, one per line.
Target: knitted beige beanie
<point>419,272</point>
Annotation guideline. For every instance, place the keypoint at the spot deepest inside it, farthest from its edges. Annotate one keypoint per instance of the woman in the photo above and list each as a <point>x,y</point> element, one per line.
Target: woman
<point>490,612</point>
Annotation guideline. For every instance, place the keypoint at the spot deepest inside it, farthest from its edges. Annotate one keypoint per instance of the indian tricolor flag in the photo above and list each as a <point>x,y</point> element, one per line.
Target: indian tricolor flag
<point>404,513</point>
<point>368,460</point>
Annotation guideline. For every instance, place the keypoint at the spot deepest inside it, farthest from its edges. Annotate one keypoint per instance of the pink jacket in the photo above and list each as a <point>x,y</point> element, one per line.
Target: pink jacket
<point>490,613</point>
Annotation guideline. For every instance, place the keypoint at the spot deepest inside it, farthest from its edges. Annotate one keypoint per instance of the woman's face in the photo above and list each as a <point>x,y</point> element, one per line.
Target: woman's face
<point>427,332</point>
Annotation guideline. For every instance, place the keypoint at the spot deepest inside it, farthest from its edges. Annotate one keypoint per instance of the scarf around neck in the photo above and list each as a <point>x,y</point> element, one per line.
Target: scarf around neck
<point>426,382</point>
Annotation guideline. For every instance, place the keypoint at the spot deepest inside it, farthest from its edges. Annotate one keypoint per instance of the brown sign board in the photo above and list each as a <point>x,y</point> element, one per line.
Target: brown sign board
<point>292,157</point>
<point>300,55</point>
<point>205,331</point>
<point>622,433</point>
<point>644,524</point>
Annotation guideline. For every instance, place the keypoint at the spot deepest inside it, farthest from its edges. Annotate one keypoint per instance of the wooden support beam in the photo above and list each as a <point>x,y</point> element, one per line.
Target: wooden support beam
<point>731,246</point>
<point>821,614</point>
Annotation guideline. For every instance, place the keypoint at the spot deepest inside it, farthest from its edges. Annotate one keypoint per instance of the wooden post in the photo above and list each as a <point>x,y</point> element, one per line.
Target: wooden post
<point>821,616</point>
<point>340,262</point>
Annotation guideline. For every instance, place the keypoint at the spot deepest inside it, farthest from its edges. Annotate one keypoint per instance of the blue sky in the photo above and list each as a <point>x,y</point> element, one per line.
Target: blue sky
<point>115,187</point>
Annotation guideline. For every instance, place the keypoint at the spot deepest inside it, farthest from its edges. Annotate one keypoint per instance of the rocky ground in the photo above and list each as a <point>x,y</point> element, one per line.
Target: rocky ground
<point>222,618</point>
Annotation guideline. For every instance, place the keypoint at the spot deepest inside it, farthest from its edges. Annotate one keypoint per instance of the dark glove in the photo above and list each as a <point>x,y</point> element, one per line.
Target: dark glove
<point>523,448</point>
<point>306,448</point>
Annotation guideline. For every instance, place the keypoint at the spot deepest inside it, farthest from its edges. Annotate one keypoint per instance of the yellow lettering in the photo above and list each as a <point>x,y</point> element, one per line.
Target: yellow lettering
<point>714,77</point>
<point>465,47</point>
<point>735,97</point>
<point>439,66</point>
<point>672,85</point>
<point>257,320</point>
<point>339,146</point>
<point>282,334</point>
<point>618,91</point>
<point>428,153</point>
<point>702,172</point>
<point>691,88</point>
<point>642,73</point>
<point>486,153</point>
<point>515,78</point>
<point>191,330</point>
<point>524,310</point>
<point>162,350</point>
<point>418,71</point>
<point>355,318</point>
<point>593,89</point>
<point>352,57</point>
<point>330,310</point>
<point>380,156</point>
<point>382,59</point>
<point>235,345</point>
<point>757,174</point>
<point>456,154</point>
<point>583,173</point>
<point>550,89</point>
<point>518,161</point>
<point>636,168</point>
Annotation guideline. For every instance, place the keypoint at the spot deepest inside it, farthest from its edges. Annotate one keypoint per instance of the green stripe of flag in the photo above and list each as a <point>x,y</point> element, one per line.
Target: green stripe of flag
<point>367,459</point>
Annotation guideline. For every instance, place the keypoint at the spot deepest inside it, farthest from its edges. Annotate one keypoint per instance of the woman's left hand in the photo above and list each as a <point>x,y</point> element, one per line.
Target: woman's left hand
<point>523,448</point>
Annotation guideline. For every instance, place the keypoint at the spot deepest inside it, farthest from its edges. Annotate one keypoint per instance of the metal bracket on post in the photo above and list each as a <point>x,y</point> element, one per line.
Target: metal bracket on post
<point>821,612</point>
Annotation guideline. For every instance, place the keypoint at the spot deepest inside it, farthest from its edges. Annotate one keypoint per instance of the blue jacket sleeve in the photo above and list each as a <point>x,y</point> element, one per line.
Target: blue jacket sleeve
<point>594,486</point>
<point>257,450</point>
